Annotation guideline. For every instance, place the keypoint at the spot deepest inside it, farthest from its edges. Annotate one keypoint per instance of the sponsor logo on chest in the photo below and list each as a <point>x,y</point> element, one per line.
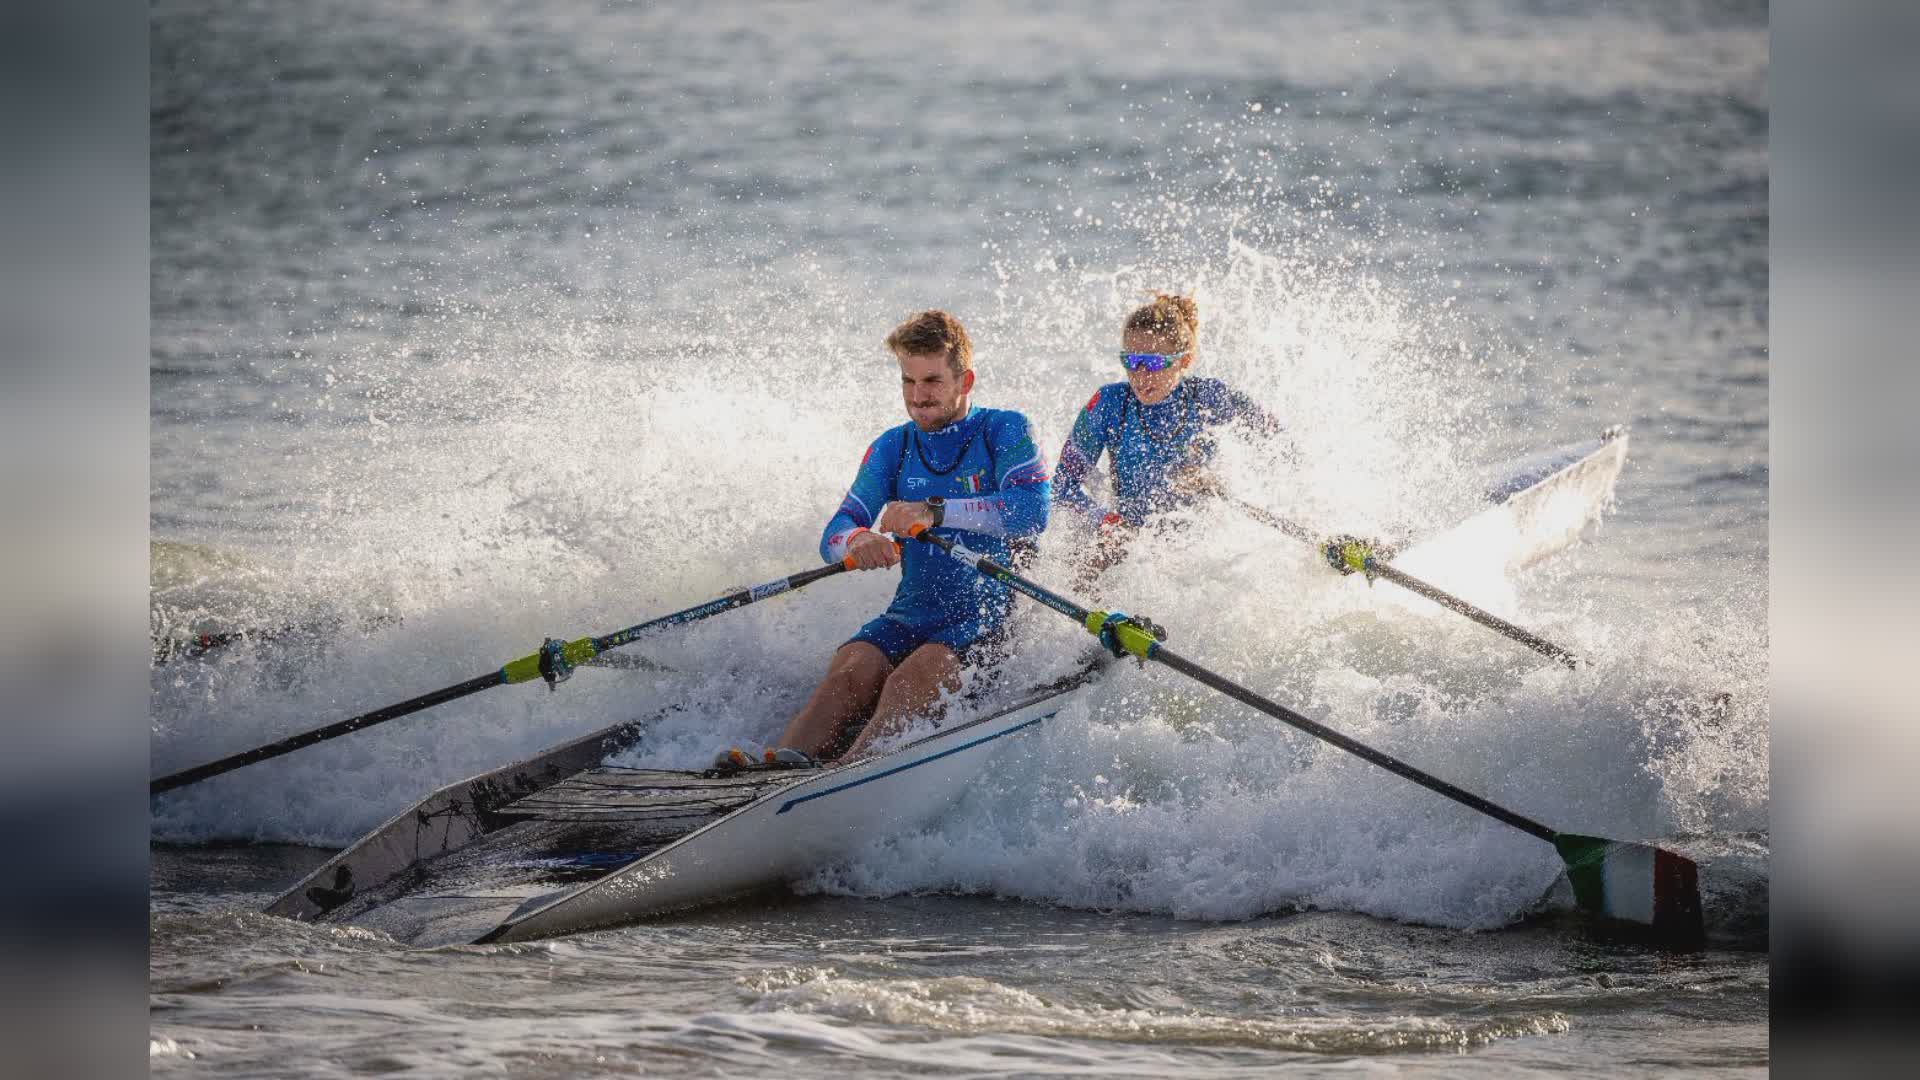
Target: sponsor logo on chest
<point>971,484</point>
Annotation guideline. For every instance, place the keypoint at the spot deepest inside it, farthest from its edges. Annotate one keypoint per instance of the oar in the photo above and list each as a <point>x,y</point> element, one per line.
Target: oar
<point>1349,555</point>
<point>554,662</point>
<point>1613,879</point>
<point>168,649</point>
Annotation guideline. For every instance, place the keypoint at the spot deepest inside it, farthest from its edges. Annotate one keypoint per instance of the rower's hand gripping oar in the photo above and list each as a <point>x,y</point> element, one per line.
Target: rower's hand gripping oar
<point>554,663</point>
<point>1614,879</point>
<point>1350,555</point>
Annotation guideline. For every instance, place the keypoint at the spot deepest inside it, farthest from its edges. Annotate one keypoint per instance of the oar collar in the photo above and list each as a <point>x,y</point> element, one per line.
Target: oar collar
<point>1125,634</point>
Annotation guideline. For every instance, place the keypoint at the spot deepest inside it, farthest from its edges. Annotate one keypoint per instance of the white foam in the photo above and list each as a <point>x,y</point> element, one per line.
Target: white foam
<point>590,489</point>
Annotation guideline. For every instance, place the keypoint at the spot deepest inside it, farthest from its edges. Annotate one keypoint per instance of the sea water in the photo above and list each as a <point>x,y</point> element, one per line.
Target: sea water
<point>477,324</point>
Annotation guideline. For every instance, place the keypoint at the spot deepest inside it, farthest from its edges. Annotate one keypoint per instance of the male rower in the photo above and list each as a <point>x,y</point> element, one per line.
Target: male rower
<point>971,474</point>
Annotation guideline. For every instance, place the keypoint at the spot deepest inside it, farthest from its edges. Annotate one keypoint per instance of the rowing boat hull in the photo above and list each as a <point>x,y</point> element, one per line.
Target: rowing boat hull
<point>503,855</point>
<point>797,829</point>
<point>444,822</point>
<point>1540,505</point>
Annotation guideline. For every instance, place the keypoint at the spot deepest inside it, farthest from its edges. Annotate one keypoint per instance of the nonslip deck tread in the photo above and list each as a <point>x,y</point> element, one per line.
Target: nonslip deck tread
<point>615,792</point>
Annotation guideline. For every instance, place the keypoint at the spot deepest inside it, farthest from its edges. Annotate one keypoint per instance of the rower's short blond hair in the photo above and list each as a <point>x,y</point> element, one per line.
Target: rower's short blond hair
<point>931,332</point>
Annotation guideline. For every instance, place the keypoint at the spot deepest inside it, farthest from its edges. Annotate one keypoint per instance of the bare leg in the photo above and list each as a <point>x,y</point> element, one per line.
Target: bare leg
<point>912,691</point>
<point>848,692</point>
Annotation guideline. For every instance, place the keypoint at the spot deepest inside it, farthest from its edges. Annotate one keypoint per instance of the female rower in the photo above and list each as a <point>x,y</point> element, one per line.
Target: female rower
<point>1158,426</point>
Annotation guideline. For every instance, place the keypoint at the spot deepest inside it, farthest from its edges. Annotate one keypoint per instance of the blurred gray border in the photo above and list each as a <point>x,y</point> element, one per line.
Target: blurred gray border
<point>1845,95</point>
<point>73,481</point>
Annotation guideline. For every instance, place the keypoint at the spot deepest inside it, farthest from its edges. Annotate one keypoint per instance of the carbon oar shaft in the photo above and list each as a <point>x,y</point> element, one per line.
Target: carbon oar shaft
<point>321,734</point>
<point>1618,880</point>
<point>560,656</point>
<point>1147,648</point>
<point>1352,746</point>
<point>1374,563</point>
<point>1485,618</point>
<point>1613,879</point>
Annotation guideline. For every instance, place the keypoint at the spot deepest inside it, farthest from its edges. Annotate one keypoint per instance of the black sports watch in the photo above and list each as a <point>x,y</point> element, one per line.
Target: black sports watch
<point>939,507</point>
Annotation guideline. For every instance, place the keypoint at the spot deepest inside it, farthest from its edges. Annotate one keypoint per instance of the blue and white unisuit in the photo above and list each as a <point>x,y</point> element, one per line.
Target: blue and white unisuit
<point>993,477</point>
<point>1148,442</point>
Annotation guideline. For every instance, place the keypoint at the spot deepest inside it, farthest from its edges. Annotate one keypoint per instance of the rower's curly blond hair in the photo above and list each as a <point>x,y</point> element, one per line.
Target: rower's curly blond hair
<point>931,332</point>
<point>1172,319</point>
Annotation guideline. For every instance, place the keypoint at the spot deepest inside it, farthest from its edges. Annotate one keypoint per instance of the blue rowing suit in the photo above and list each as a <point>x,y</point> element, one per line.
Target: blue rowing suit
<point>993,477</point>
<point>1149,443</point>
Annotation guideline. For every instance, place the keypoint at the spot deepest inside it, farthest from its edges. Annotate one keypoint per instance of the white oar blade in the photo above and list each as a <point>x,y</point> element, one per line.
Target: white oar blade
<point>1635,883</point>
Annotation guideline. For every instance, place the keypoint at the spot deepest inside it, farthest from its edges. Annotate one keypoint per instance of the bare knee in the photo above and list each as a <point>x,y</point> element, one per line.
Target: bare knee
<point>853,682</point>
<point>858,669</point>
<point>927,671</point>
<point>912,691</point>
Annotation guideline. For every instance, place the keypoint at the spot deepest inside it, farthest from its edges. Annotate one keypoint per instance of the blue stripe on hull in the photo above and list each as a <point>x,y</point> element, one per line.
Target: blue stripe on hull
<point>911,764</point>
